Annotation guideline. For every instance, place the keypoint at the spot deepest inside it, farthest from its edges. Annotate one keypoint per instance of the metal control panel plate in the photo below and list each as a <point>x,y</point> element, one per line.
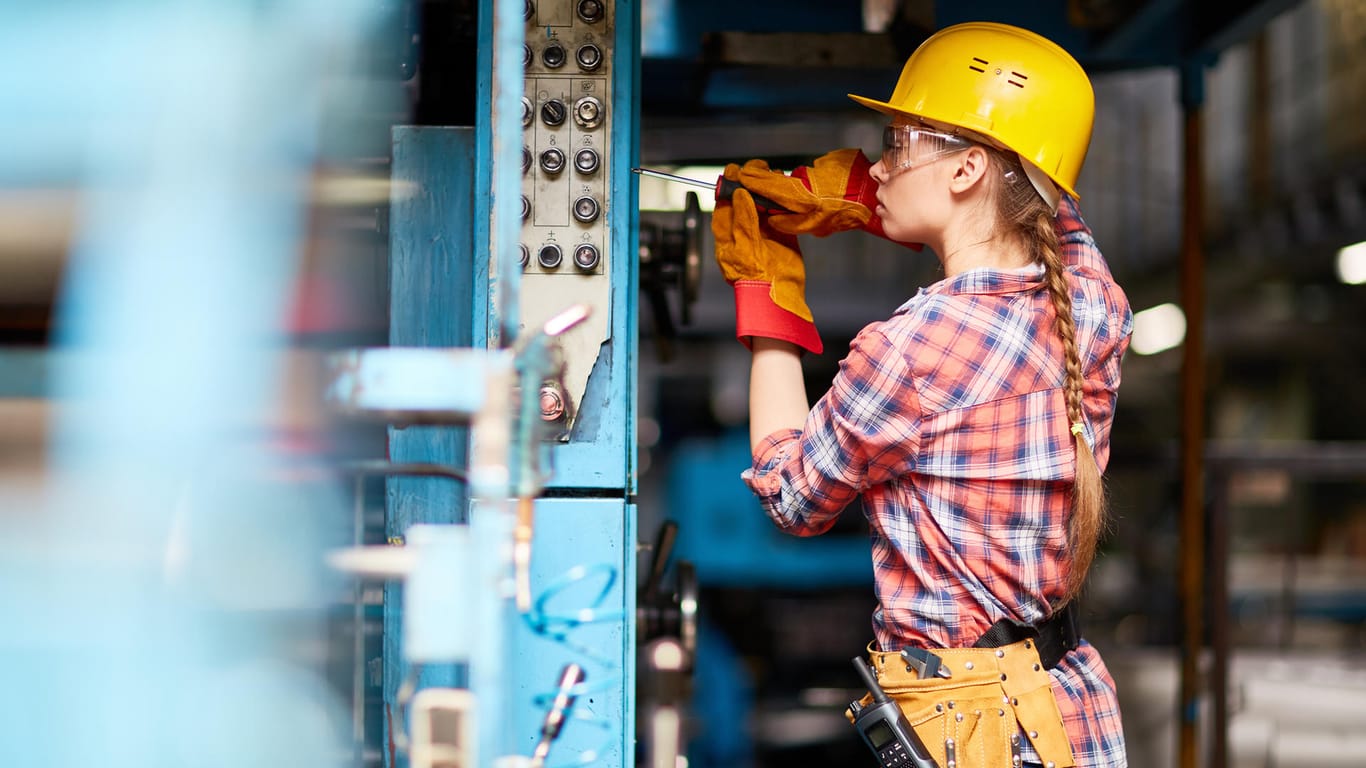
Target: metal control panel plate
<point>566,158</point>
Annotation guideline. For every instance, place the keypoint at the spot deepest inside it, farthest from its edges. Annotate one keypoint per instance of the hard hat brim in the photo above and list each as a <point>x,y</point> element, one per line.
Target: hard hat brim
<point>880,106</point>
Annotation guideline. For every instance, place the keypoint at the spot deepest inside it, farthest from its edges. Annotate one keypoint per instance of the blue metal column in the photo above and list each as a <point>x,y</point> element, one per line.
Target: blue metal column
<point>583,555</point>
<point>583,550</point>
<point>600,455</point>
<point>430,292</point>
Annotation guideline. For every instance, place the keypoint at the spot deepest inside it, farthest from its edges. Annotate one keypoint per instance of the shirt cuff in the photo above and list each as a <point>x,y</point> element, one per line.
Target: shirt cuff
<point>763,477</point>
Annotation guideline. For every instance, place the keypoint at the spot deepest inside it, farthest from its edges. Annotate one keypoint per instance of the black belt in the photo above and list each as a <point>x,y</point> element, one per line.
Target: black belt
<point>1055,636</point>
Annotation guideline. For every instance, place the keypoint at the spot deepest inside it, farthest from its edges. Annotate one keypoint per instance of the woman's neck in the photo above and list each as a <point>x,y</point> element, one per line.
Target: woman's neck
<point>978,250</point>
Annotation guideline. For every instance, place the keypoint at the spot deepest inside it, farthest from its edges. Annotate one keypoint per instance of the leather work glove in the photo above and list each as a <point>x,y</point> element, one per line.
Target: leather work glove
<point>765,268</point>
<point>834,194</point>
<point>825,197</point>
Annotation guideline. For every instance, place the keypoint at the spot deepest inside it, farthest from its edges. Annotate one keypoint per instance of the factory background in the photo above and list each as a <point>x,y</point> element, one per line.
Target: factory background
<point>277,283</point>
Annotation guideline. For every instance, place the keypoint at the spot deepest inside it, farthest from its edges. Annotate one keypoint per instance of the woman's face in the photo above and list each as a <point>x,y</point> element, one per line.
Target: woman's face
<point>913,184</point>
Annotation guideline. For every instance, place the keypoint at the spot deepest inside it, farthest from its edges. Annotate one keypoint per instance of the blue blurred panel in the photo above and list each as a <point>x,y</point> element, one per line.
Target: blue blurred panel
<point>583,593</point>
<point>1046,17</point>
<point>25,372</point>
<point>439,594</point>
<point>676,28</point>
<point>160,588</point>
<point>409,384</point>
<point>722,703</point>
<point>725,533</point>
<point>757,88</point>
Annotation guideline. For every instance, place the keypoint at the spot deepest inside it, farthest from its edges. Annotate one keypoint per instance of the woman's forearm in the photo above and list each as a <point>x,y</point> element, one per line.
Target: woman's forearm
<point>777,391</point>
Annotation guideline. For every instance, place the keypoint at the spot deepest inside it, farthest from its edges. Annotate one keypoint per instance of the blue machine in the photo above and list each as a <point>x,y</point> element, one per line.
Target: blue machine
<point>491,239</point>
<point>730,540</point>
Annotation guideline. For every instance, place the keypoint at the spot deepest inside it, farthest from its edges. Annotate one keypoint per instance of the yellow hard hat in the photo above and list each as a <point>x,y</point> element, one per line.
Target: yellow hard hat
<point>1008,84</point>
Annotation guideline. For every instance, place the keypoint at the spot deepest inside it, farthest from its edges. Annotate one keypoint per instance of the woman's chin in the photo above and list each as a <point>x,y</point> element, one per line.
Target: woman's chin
<point>899,234</point>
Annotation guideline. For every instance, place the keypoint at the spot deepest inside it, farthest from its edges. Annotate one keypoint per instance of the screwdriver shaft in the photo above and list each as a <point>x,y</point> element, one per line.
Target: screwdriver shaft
<point>672,177</point>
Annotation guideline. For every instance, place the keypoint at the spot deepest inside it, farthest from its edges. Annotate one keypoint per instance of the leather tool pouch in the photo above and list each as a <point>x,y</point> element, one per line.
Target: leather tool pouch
<point>974,718</point>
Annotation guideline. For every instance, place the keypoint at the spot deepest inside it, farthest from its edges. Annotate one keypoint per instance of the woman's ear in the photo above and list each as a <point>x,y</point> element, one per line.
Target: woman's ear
<point>970,169</point>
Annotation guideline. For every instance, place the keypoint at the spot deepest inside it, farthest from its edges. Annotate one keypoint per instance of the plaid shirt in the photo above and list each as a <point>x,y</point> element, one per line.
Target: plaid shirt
<point>949,420</point>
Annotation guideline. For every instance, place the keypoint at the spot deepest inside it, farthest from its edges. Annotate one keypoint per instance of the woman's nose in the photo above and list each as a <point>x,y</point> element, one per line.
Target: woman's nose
<point>878,172</point>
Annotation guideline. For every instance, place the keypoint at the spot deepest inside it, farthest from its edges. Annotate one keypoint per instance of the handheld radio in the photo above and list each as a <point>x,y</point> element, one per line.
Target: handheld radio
<point>884,728</point>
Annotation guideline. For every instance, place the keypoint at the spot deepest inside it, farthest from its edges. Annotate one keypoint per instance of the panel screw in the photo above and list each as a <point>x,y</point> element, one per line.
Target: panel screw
<point>552,405</point>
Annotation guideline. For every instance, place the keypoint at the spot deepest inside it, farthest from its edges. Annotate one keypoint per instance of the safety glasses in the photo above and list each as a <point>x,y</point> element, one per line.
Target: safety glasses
<point>908,146</point>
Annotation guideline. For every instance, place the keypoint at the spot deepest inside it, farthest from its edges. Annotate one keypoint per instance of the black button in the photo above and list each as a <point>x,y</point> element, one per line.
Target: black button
<point>553,56</point>
<point>590,10</point>
<point>553,112</point>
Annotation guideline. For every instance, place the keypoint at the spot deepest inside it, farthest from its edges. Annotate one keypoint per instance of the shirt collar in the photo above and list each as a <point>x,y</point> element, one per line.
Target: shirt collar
<point>985,280</point>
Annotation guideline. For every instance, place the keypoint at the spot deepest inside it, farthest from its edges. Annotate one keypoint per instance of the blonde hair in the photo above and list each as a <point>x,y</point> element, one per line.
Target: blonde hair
<point>1025,216</point>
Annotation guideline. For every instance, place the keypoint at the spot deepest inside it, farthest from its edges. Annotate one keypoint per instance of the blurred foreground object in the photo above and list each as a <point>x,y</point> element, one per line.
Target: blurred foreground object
<point>164,583</point>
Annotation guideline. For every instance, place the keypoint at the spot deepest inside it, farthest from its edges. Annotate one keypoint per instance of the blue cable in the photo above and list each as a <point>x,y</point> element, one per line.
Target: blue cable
<point>558,626</point>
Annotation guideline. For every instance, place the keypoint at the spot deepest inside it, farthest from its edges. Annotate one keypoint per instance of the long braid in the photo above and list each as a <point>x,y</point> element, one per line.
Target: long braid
<point>1088,496</point>
<point>1024,215</point>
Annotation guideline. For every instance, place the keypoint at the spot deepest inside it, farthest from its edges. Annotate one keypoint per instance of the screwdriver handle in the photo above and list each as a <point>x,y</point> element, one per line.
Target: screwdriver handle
<point>726,187</point>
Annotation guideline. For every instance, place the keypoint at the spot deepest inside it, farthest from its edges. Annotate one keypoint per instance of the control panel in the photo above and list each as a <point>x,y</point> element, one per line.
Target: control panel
<point>565,237</point>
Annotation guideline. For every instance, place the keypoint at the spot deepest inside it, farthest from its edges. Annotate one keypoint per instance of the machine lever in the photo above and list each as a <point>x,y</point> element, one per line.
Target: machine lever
<point>659,560</point>
<point>570,676</point>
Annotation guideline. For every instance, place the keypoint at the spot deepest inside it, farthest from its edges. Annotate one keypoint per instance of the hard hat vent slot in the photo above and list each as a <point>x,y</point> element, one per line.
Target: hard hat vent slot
<point>1020,76</point>
<point>976,68</point>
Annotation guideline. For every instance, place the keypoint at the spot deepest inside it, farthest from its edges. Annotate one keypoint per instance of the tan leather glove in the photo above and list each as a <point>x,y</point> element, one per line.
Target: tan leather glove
<point>815,195</point>
<point>766,270</point>
<point>840,181</point>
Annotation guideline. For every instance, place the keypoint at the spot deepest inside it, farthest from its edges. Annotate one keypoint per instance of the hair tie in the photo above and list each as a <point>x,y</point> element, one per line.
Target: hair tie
<point>1078,429</point>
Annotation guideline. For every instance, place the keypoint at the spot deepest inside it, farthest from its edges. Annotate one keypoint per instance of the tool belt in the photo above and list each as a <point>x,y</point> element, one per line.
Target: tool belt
<point>973,717</point>
<point>1056,636</point>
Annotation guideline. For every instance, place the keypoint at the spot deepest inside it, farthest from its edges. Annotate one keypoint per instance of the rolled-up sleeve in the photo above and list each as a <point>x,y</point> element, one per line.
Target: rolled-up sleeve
<point>863,432</point>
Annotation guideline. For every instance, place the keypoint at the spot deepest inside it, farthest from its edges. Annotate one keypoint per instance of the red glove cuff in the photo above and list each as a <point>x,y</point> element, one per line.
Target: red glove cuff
<point>757,315</point>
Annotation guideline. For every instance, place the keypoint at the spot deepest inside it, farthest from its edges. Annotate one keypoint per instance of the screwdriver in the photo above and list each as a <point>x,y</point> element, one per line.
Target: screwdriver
<point>862,189</point>
<point>722,189</point>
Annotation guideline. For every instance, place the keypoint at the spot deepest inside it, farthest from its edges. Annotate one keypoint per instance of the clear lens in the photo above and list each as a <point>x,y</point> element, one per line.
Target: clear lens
<point>907,146</point>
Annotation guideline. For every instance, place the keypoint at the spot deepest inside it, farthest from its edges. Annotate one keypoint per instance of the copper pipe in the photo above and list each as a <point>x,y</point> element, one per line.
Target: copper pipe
<point>521,551</point>
<point>1192,568</point>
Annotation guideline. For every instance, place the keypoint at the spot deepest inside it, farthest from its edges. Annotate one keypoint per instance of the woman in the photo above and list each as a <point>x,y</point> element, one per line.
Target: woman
<point>974,423</point>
